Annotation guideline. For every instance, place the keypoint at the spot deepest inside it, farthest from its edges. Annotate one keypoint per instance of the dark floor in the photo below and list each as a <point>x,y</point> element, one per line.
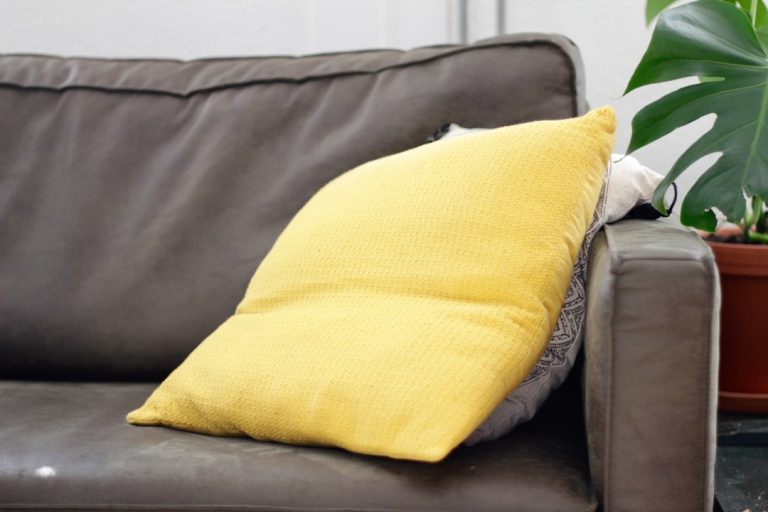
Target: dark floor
<point>741,471</point>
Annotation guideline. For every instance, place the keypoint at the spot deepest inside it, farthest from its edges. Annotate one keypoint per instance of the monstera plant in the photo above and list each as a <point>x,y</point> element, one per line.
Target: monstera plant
<point>723,43</point>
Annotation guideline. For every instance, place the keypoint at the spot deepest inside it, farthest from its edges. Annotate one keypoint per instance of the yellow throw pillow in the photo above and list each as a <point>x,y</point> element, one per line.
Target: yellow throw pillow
<point>405,300</point>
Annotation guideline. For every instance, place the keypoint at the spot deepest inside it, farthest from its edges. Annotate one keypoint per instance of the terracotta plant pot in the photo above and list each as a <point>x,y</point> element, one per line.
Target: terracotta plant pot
<point>743,326</point>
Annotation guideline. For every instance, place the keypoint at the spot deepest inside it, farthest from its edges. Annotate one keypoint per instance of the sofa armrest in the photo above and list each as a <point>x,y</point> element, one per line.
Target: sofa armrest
<point>650,379</point>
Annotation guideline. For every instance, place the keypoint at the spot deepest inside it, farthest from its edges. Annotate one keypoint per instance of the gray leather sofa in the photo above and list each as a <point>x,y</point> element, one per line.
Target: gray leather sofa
<point>136,199</point>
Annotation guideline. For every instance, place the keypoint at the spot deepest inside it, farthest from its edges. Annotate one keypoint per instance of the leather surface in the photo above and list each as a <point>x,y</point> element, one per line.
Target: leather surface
<point>137,197</point>
<point>650,372</point>
<point>67,445</point>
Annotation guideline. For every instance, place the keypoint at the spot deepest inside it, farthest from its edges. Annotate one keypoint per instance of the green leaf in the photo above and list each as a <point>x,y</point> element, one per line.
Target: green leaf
<point>762,35</point>
<point>709,38</point>
<point>654,7</point>
<point>746,6</point>
<point>762,13</point>
<point>761,21</point>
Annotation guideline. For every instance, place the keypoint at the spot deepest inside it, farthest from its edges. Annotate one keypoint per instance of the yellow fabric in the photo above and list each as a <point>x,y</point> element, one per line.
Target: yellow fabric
<point>405,300</point>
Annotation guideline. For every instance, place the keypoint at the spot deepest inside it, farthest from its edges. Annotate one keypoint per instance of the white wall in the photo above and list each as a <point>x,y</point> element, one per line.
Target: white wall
<point>187,29</point>
<point>610,33</point>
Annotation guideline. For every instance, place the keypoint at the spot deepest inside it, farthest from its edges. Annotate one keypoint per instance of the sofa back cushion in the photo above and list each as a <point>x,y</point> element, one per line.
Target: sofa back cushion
<point>126,186</point>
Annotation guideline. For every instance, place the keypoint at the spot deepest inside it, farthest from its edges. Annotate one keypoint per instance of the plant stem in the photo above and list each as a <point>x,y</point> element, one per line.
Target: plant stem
<point>757,207</point>
<point>760,224</point>
<point>751,217</point>
<point>754,236</point>
<point>753,12</point>
<point>755,216</point>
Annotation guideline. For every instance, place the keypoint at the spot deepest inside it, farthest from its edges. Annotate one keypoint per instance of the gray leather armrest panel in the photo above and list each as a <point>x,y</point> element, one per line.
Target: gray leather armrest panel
<point>651,367</point>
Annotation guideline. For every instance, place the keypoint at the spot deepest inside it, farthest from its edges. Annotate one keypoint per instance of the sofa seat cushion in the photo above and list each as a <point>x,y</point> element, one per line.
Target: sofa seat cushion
<point>68,445</point>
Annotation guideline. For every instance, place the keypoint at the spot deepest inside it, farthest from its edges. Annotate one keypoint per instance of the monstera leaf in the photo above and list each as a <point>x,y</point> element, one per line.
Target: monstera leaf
<point>654,7</point>
<point>712,39</point>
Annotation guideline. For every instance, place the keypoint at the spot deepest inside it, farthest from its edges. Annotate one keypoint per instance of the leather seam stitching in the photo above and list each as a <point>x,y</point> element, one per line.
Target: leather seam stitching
<point>707,405</point>
<point>611,395</point>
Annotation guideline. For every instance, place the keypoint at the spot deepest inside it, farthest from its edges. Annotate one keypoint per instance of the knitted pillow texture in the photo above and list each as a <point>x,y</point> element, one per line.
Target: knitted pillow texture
<point>405,300</point>
<point>558,359</point>
<point>627,185</point>
<point>554,365</point>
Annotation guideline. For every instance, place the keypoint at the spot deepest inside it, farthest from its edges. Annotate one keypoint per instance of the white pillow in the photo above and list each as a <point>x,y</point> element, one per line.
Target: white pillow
<point>626,184</point>
<point>632,184</point>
